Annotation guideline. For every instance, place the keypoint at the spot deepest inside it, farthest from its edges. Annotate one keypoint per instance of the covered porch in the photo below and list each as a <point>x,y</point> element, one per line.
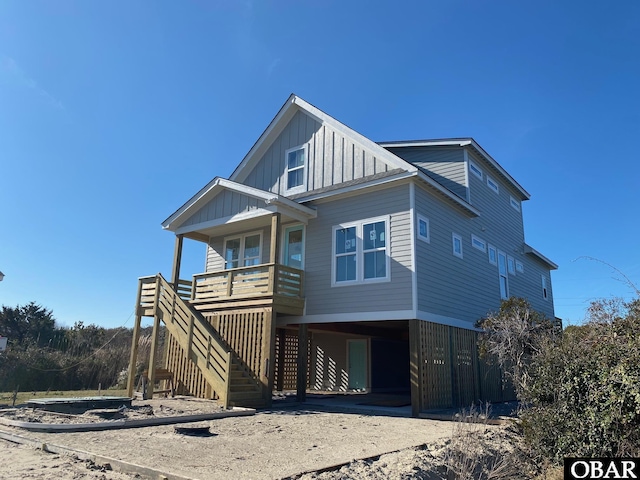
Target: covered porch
<point>224,318</point>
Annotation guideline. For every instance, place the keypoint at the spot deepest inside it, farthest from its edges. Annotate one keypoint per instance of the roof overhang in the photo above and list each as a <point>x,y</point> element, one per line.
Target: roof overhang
<point>536,254</point>
<point>273,203</point>
<point>463,142</point>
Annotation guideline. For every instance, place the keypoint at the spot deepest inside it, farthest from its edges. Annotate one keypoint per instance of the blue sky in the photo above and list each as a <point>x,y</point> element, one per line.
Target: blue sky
<point>113,114</point>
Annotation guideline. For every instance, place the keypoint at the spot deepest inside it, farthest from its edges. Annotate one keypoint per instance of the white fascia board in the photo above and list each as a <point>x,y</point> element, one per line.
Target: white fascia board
<point>219,184</point>
<point>257,212</point>
<point>286,112</point>
<point>380,152</point>
<point>356,187</point>
<point>189,203</point>
<point>452,196</point>
<point>464,142</point>
<point>348,317</point>
<point>532,251</point>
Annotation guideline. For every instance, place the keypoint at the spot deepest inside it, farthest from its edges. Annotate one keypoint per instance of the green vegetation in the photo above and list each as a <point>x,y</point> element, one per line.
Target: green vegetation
<point>6,398</point>
<point>580,389</point>
<point>41,356</point>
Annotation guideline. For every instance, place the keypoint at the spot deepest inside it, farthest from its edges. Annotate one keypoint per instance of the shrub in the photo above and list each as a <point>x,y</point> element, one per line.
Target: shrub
<point>585,390</point>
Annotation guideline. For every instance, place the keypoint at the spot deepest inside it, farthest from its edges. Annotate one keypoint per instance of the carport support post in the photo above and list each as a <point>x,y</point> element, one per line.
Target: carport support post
<point>415,367</point>
<point>303,346</point>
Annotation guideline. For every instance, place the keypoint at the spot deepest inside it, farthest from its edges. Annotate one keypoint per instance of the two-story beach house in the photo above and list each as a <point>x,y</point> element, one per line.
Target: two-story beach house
<point>337,263</point>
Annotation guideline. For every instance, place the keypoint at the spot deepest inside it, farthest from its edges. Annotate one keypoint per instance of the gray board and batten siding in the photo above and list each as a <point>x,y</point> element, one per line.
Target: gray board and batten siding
<point>225,204</point>
<point>332,158</point>
<point>445,165</point>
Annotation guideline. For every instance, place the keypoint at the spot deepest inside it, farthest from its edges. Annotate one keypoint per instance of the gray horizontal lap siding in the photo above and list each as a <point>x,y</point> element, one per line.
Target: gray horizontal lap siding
<point>321,297</point>
<point>444,164</point>
<point>225,204</point>
<point>504,229</point>
<point>460,288</point>
<point>332,157</point>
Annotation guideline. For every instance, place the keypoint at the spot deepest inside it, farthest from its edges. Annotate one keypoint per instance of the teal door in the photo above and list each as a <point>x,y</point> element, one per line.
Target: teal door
<point>357,364</point>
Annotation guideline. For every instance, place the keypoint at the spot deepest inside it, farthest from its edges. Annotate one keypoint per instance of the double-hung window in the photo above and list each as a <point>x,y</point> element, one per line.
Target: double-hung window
<point>242,251</point>
<point>296,162</point>
<point>361,252</point>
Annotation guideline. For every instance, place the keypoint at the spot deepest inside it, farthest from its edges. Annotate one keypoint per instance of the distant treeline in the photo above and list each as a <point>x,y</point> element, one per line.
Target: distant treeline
<point>41,356</point>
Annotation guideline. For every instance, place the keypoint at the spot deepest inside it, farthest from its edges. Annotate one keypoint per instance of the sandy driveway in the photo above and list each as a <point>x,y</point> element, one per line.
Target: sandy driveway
<point>268,445</point>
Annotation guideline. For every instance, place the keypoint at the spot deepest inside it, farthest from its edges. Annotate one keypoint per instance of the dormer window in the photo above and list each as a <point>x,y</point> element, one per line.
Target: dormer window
<point>296,162</point>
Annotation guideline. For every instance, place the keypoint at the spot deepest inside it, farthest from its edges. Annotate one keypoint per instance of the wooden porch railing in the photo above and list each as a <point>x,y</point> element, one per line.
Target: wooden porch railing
<point>194,334</point>
<point>246,282</point>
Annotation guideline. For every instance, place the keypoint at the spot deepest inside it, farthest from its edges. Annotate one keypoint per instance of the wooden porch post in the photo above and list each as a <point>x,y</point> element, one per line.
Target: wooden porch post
<point>134,345</point>
<point>303,353</point>
<point>269,353</point>
<point>282,338</point>
<point>274,255</point>
<point>134,356</point>
<point>177,259</point>
<point>151,371</point>
<point>415,367</point>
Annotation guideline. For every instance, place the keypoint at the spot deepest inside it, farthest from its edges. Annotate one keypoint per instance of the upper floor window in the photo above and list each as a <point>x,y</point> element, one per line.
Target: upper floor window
<point>502,272</point>
<point>493,185</point>
<point>478,243</point>
<point>493,255</point>
<point>476,170</point>
<point>423,228</point>
<point>545,294</point>
<point>457,244</point>
<point>514,203</point>
<point>511,265</point>
<point>361,252</point>
<point>519,267</point>
<point>243,251</point>
<point>296,159</point>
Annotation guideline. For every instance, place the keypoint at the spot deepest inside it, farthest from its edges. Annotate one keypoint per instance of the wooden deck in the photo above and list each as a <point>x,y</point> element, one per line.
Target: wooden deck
<point>267,285</point>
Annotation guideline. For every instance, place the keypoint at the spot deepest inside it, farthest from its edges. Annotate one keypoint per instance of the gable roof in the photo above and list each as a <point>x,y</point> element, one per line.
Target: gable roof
<point>286,113</point>
<point>218,185</point>
<point>463,142</point>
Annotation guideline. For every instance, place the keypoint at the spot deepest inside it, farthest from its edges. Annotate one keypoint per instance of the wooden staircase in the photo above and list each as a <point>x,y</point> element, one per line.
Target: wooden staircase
<point>224,371</point>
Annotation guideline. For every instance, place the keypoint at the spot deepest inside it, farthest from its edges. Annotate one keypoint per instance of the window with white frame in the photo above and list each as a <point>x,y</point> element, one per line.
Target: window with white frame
<point>478,243</point>
<point>514,203</point>
<point>493,255</point>
<point>456,244</point>
<point>519,267</point>
<point>296,162</point>
<point>502,272</point>
<point>244,250</point>
<point>423,228</point>
<point>493,185</point>
<point>475,170</point>
<point>361,252</point>
<point>511,265</point>
<point>545,294</point>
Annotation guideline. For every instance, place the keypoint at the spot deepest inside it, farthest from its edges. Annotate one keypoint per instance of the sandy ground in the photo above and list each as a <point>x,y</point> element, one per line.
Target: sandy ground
<point>269,445</point>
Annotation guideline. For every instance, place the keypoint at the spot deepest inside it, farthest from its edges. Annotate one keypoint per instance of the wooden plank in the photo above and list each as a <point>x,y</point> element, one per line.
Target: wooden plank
<point>303,345</point>
<point>177,258</point>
